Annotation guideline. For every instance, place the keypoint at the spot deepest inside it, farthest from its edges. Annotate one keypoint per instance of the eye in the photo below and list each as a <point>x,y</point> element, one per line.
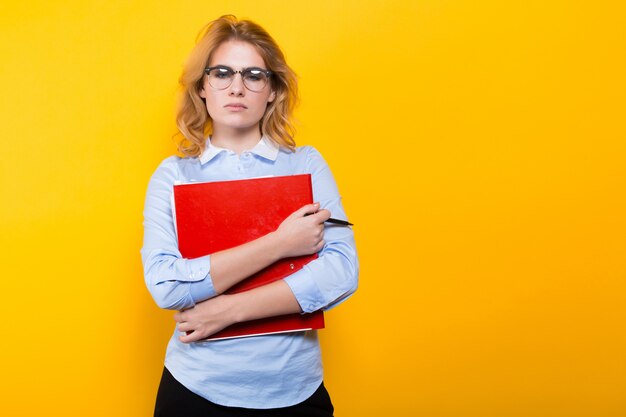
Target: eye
<point>222,73</point>
<point>254,75</point>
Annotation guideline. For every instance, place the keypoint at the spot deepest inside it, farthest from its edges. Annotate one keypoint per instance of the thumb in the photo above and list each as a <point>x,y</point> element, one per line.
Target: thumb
<point>323,215</point>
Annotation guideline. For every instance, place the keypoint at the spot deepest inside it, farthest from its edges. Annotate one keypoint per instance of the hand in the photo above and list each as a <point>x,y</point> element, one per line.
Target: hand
<point>302,233</point>
<point>205,318</point>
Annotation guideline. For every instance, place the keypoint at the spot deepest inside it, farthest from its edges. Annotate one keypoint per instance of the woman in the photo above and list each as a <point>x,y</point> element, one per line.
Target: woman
<point>238,95</point>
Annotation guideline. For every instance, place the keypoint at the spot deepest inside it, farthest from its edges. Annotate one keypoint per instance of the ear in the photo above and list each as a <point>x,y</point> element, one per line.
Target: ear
<point>271,97</point>
<point>202,93</point>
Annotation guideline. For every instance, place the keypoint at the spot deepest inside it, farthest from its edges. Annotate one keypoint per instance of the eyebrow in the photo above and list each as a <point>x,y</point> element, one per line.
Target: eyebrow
<point>242,70</point>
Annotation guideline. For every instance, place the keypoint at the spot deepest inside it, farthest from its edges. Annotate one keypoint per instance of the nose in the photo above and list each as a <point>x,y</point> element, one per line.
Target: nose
<point>236,87</point>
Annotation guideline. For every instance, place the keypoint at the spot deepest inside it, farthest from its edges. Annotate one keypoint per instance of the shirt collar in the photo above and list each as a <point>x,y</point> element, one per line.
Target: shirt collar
<point>266,148</point>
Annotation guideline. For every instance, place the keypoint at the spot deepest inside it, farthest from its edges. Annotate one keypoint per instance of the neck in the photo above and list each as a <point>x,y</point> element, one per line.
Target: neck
<point>236,140</point>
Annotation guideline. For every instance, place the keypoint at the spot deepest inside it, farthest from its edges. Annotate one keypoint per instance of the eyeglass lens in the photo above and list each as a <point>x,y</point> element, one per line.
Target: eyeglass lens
<point>254,79</point>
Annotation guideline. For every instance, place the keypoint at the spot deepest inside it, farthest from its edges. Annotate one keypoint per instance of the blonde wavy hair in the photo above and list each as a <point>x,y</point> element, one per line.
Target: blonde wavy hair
<point>193,121</point>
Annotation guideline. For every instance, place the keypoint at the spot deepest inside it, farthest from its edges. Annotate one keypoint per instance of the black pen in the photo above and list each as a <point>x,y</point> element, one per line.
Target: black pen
<point>339,222</point>
<point>334,221</point>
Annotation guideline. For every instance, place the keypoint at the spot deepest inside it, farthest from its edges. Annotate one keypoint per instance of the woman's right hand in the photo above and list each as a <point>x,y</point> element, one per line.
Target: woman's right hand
<point>302,233</point>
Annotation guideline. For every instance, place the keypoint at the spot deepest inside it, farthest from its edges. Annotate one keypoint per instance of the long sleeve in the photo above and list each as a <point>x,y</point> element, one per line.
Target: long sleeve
<point>228,371</point>
<point>333,277</point>
<point>174,282</point>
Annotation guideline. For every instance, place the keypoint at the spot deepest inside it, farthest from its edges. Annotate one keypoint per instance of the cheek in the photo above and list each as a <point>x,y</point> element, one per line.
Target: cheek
<point>264,102</point>
<point>262,108</point>
<point>210,102</point>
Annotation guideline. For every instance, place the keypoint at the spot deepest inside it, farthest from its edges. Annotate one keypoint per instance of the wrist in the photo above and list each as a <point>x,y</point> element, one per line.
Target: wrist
<point>238,311</point>
<point>274,246</point>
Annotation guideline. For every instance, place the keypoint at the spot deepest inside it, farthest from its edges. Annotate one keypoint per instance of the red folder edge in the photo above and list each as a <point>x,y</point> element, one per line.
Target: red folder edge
<point>261,204</point>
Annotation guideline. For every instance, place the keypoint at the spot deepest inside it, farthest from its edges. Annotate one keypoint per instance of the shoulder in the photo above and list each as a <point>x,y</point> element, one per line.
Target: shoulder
<point>170,169</point>
<point>309,157</point>
<point>176,163</point>
<point>306,150</point>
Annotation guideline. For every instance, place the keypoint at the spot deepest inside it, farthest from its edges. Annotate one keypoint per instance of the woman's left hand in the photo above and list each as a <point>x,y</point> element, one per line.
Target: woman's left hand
<point>205,318</point>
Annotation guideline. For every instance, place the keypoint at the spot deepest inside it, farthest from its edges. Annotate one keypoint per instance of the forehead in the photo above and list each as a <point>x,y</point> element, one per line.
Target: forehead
<point>237,54</point>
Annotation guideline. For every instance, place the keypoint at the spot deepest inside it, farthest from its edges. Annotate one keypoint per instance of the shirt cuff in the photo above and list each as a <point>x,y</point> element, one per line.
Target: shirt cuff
<point>305,290</point>
<point>201,288</point>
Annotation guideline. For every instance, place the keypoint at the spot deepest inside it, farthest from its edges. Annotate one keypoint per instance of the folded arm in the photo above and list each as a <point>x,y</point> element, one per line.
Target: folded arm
<point>179,283</point>
<point>211,316</point>
<point>322,284</point>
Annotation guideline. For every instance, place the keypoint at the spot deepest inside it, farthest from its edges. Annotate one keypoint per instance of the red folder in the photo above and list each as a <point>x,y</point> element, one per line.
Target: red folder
<point>214,216</point>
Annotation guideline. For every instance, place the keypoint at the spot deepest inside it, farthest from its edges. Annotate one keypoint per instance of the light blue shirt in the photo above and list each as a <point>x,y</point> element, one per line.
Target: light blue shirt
<point>254,372</point>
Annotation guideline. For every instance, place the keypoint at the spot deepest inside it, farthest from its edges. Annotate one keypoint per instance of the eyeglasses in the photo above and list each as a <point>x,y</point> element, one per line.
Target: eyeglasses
<point>221,77</point>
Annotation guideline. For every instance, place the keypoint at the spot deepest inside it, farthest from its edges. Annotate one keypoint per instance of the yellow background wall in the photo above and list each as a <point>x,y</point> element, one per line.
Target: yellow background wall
<point>480,149</point>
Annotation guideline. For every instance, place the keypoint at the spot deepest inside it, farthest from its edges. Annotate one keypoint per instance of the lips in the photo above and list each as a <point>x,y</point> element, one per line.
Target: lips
<point>235,106</point>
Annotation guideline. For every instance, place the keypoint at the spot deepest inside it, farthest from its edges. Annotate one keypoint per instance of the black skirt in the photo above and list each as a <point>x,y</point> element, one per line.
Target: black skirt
<point>175,400</point>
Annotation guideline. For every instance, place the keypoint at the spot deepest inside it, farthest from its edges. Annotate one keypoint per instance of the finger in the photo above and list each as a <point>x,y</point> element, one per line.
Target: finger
<point>304,210</point>
<point>320,245</point>
<point>180,317</point>
<point>322,215</point>
<point>191,337</point>
<point>184,327</point>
